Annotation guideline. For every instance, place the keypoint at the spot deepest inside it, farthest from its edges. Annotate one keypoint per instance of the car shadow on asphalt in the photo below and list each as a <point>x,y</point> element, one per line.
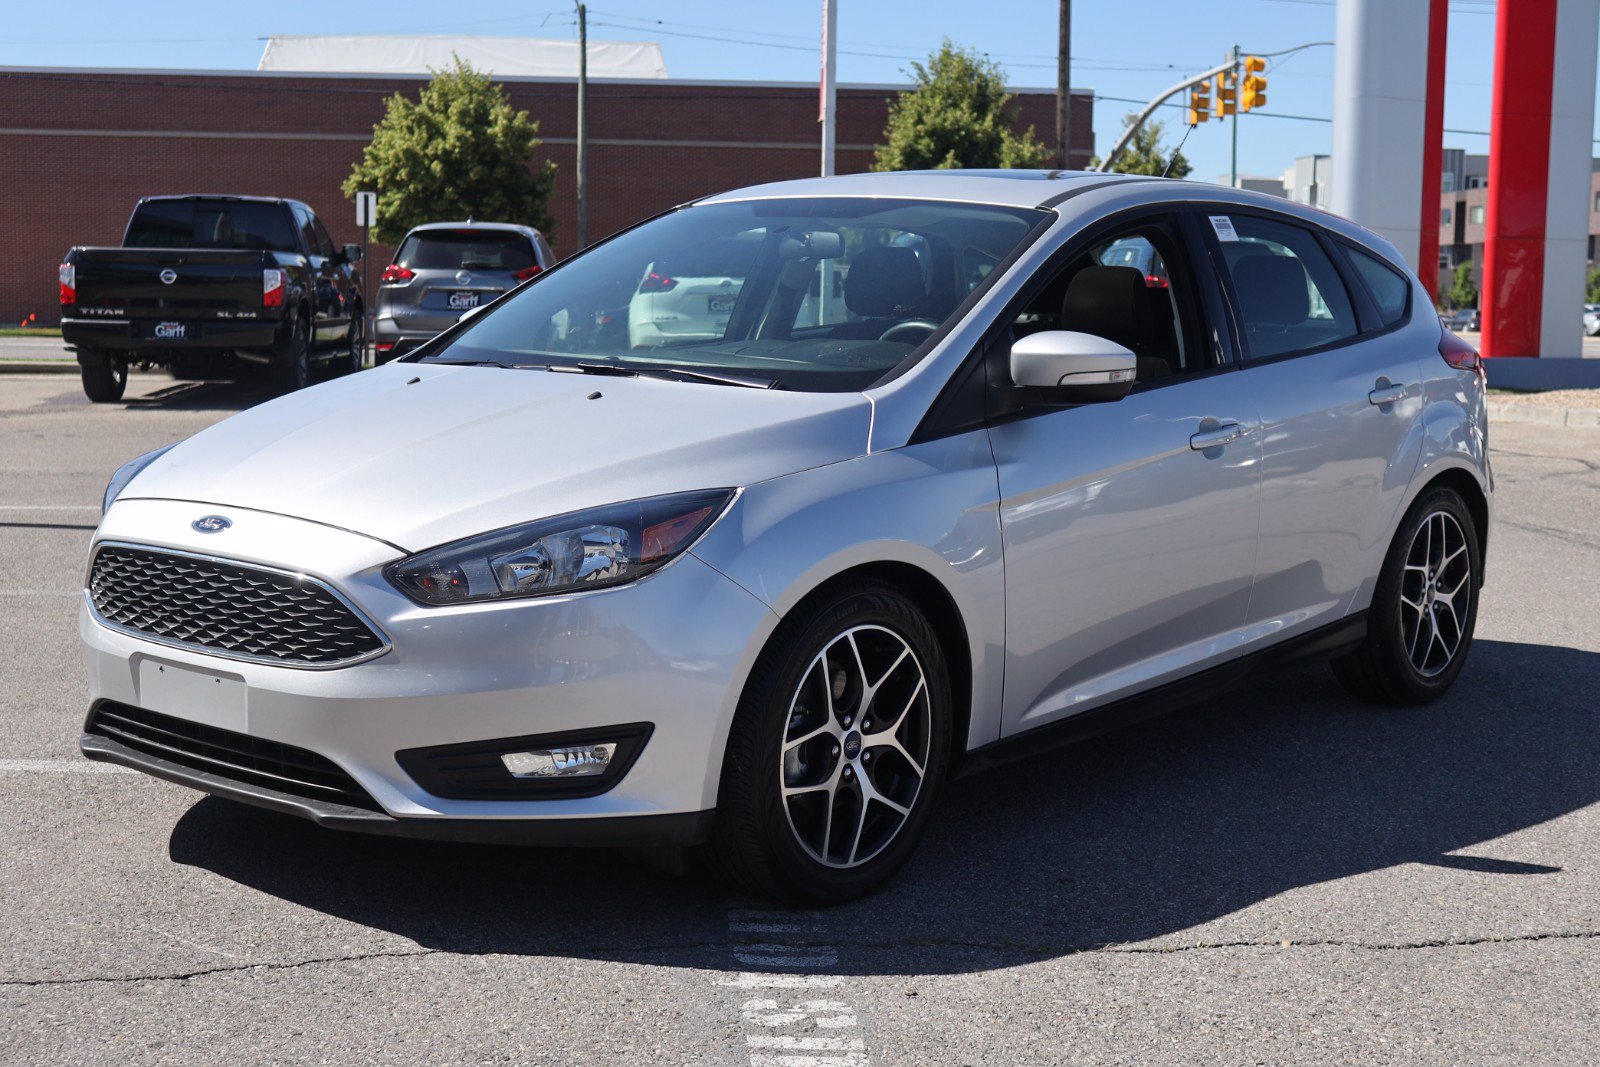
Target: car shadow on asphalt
<point>1133,835</point>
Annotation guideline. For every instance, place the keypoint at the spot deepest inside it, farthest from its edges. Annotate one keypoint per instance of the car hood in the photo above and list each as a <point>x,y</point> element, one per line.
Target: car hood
<point>419,454</point>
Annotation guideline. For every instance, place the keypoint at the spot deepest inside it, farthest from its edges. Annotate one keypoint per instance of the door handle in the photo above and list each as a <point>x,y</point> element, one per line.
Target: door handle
<point>1224,434</point>
<point>1388,394</point>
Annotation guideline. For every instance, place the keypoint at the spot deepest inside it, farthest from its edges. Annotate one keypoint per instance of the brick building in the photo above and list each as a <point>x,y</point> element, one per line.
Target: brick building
<point>82,145</point>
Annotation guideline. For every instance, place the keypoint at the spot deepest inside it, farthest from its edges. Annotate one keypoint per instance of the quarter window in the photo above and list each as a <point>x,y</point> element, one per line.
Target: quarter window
<point>1390,289</point>
<point>1290,296</point>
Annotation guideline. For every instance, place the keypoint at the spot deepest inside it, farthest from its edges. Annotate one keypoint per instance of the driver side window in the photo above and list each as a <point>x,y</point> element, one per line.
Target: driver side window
<point>1129,288</point>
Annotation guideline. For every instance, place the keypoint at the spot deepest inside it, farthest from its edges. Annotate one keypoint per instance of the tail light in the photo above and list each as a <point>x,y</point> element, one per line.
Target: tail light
<point>657,283</point>
<point>272,288</point>
<point>1458,353</point>
<point>385,346</point>
<point>395,274</point>
<point>1155,281</point>
<point>526,272</point>
<point>69,284</point>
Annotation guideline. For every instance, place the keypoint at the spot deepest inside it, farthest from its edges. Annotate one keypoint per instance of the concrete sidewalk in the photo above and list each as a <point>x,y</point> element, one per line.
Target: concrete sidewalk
<point>33,355</point>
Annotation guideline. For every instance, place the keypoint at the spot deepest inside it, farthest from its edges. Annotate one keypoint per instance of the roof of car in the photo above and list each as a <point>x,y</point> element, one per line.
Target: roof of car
<point>1010,188</point>
<point>474,224</point>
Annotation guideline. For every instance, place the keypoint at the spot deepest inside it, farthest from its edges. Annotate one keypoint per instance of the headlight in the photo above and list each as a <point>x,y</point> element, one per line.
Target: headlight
<point>126,473</point>
<point>584,550</point>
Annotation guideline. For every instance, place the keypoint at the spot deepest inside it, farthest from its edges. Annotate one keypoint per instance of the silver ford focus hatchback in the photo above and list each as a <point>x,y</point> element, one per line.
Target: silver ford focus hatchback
<point>949,466</point>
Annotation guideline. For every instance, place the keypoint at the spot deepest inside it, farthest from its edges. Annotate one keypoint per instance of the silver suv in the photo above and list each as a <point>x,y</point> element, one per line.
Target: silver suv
<point>443,270</point>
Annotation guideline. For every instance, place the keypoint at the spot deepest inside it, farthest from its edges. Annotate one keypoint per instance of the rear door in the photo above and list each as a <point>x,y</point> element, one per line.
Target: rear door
<point>1129,526</point>
<point>1339,394</point>
<point>329,317</point>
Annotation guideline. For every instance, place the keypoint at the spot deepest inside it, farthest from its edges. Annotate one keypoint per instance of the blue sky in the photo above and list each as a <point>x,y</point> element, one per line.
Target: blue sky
<point>1126,48</point>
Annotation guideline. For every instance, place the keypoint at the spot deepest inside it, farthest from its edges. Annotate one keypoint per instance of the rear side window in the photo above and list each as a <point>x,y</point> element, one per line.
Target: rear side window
<point>242,225</point>
<point>1390,289</point>
<point>466,250</point>
<point>1290,296</point>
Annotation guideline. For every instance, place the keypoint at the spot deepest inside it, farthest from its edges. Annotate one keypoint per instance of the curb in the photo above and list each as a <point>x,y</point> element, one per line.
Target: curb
<point>1530,414</point>
<point>38,366</point>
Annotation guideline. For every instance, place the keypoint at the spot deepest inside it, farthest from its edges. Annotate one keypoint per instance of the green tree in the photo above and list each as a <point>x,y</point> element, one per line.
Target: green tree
<point>458,151</point>
<point>1144,155</point>
<point>1591,287</point>
<point>1463,293</point>
<point>957,114</point>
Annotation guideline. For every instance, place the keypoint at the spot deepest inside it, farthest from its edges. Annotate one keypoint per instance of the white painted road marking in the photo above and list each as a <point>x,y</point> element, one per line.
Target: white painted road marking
<point>49,507</point>
<point>61,766</point>
<point>817,1029</point>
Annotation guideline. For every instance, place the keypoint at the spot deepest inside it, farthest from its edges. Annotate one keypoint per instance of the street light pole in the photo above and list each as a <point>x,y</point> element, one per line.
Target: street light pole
<point>1064,88</point>
<point>826,105</point>
<point>1233,179</point>
<point>583,127</point>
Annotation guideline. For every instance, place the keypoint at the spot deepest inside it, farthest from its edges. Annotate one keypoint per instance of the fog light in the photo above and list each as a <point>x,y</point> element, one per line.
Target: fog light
<point>568,761</point>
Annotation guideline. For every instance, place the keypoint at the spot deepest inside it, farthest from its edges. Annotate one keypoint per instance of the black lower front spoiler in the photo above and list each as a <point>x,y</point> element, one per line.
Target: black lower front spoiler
<point>686,828</point>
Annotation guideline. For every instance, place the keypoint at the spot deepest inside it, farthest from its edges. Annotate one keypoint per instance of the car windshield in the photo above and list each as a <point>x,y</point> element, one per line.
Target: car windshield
<point>243,225</point>
<point>819,294</point>
<point>466,249</point>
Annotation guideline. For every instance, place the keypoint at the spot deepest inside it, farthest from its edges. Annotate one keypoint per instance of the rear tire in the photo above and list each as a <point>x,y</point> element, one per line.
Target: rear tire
<point>835,758</point>
<point>105,378</point>
<point>355,344</point>
<point>291,360</point>
<point>1424,609</point>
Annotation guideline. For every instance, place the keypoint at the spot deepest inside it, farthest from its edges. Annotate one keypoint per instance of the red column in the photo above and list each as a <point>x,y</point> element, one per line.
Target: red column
<point>1519,171</point>
<point>1433,147</point>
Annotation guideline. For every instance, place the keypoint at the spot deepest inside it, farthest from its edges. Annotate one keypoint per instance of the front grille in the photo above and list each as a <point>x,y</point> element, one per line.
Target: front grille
<point>237,757</point>
<point>229,608</point>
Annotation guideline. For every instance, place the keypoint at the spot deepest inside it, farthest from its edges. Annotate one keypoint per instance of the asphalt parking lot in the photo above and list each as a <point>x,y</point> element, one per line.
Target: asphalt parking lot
<point>1281,875</point>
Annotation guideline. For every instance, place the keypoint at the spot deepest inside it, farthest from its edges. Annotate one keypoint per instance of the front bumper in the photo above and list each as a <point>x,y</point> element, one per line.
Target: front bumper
<point>672,650</point>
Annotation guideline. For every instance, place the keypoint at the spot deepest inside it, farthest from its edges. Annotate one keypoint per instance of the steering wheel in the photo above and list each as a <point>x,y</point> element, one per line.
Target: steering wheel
<point>914,324</point>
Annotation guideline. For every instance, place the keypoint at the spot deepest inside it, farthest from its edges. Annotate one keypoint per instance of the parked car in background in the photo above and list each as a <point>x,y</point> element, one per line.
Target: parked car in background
<point>766,591</point>
<point>210,286</point>
<point>1591,320</point>
<point>442,270</point>
<point>1462,319</point>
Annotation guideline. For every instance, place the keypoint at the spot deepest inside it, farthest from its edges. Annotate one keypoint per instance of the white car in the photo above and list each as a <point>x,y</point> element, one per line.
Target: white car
<point>765,592</point>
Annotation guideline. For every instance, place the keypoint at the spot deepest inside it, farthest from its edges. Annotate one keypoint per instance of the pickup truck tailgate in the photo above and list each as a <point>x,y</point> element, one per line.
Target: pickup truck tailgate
<point>170,283</point>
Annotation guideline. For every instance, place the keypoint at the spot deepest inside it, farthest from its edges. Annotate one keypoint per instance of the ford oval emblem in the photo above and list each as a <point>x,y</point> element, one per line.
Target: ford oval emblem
<point>211,523</point>
<point>168,276</point>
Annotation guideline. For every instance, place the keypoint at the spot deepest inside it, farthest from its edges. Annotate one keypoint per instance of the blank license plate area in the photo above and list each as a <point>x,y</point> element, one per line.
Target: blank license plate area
<point>197,696</point>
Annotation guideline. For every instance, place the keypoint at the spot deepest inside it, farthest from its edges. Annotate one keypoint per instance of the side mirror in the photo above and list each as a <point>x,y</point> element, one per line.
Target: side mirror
<point>352,253</point>
<point>1066,367</point>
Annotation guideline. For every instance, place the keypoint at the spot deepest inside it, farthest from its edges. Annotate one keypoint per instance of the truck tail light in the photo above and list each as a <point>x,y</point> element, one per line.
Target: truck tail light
<point>395,274</point>
<point>69,284</point>
<point>526,272</point>
<point>272,288</point>
<point>1458,353</point>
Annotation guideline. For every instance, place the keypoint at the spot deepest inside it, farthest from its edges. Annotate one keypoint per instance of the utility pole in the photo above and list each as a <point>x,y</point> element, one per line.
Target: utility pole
<point>826,104</point>
<point>1064,88</point>
<point>583,127</point>
<point>1233,180</point>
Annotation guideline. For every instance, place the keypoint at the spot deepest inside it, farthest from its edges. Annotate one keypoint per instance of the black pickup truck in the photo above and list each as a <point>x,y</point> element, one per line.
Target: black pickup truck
<point>211,286</point>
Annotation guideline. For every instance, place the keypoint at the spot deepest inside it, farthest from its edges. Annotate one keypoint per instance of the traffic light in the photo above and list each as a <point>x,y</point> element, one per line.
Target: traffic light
<point>1253,90</point>
<point>1199,104</point>
<point>1227,94</point>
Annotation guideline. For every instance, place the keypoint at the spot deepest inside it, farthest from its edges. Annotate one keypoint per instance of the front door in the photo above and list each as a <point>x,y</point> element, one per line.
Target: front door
<point>1129,527</point>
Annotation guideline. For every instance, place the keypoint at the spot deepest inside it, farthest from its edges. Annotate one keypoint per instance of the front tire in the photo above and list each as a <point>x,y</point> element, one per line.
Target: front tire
<point>355,344</point>
<point>105,378</point>
<point>837,751</point>
<point>1424,609</point>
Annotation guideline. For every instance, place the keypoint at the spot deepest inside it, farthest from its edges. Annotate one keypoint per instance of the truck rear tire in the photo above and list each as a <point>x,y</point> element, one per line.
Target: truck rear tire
<point>105,377</point>
<point>291,360</point>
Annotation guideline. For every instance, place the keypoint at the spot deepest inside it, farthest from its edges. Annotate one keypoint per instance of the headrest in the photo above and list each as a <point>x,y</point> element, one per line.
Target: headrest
<point>1272,289</point>
<point>1108,302</point>
<point>884,283</point>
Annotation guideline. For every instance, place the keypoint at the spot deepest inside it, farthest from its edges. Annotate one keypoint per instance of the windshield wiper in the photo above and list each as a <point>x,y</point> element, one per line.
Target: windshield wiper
<point>673,374</point>
<point>478,363</point>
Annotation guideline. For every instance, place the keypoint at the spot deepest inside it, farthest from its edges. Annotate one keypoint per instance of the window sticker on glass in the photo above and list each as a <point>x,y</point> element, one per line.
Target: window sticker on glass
<point>1224,227</point>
